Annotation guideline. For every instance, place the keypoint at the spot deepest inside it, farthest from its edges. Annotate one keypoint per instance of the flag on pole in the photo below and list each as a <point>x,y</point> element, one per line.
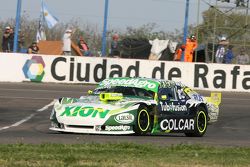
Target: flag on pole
<point>49,18</point>
<point>40,35</point>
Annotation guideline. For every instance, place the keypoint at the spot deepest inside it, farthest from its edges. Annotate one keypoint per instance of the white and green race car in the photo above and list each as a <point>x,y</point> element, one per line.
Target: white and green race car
<point>136,106</point>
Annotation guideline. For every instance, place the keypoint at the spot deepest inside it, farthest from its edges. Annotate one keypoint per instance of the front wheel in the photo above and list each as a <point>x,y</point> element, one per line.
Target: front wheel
<point>200,122</point>
<point>143,121</point>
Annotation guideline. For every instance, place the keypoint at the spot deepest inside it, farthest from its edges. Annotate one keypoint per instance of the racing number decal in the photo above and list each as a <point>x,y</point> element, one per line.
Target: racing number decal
<point>181,94</point>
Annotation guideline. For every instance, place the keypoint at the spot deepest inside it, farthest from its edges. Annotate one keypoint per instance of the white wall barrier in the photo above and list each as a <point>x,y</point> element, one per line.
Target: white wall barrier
<point>44,68</point>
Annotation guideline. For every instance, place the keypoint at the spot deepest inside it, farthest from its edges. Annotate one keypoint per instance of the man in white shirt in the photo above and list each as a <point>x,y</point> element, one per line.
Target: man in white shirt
<point>67,42</point>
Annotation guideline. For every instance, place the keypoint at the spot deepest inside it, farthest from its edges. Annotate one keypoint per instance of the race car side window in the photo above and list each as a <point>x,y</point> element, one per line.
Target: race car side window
<point>167,94</point>
<point>144,93</point>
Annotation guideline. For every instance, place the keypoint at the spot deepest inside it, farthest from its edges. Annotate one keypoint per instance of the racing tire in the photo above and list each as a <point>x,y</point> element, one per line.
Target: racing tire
<point>200,123</point>
<point>143,121</point>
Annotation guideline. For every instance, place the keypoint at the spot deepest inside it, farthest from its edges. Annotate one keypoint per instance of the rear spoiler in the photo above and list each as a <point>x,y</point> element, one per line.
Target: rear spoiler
<point>214,98</point>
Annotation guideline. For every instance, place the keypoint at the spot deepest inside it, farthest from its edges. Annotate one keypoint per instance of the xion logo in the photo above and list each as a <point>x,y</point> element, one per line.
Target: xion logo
<point>33,69</point>
<point>85,112</point>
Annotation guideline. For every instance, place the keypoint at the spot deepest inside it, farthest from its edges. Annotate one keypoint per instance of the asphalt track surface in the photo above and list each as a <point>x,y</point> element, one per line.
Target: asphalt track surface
<point>25,109</point>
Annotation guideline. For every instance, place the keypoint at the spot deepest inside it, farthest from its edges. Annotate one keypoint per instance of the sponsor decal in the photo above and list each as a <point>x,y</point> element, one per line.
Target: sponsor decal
<point>82,70</point>
<point>197,97</point>
<point>33,69</point>
<point>85,112</point>
<point>124,118</point>
<point>118,128</point>
<point>177,124</point>
<point>200,75</point>
<point>171,107</point>
<point>110,96</point>
<point>137,82</point>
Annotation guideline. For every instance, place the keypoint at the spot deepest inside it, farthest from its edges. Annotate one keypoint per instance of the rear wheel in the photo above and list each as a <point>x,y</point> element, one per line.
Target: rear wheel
<point>143,121</point>
<point>200,123</point>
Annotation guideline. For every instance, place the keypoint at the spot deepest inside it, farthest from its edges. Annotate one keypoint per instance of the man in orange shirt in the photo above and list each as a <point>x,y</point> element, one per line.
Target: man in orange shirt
<point>178,53</point>
<point>191,45</point>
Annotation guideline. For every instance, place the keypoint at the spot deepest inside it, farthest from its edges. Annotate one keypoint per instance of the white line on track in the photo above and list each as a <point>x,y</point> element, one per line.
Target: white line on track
<point>46,107</point>
<point>22,97</point>
<point>29,117</point>
<point>36,90</point>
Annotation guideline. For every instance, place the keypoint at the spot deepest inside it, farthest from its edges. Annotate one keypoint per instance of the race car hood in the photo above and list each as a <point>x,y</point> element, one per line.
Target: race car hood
<point>90,110</point>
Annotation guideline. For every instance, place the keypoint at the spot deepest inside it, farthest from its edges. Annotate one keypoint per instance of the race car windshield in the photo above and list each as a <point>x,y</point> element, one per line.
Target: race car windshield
<point>126,91</point>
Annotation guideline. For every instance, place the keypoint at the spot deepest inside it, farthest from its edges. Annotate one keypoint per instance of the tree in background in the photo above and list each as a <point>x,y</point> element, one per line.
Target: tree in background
<point>88,31</point>
<point>231,24</point>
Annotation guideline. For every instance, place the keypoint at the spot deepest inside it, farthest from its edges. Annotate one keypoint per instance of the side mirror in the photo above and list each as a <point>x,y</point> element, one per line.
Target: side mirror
<point>163,97</point>
<point>90,92</point>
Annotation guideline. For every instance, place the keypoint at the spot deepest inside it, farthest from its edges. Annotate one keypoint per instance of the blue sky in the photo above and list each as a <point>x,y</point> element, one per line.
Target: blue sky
<point>167,14</point>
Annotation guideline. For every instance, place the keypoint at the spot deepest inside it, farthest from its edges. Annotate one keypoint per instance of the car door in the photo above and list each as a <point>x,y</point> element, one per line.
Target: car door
<point>171,101</point>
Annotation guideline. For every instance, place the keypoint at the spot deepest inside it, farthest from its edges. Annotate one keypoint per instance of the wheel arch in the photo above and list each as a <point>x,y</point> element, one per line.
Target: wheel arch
<point>151,107</point>
<point>203,105</point>
<point>199,110</point>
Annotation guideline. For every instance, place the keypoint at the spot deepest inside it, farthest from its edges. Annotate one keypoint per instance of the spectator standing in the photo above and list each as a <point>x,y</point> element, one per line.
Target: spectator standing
<point>11,39</point>
<point>229,55</point>
<point>5,40</point>
<point>242,58</point>
<point>178,53</point>
<point>115,46</point>
<point>67,42</point>
<point>84,48</point>
<point>33,49</point>
<point>191,45</point>
<point>21,44</point>
<point>221,50</point>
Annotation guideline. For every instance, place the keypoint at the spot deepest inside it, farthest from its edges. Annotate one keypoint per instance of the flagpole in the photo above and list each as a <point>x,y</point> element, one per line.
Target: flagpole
<point>18,15</point>
<point>185,31</point>
<point>105,28</point>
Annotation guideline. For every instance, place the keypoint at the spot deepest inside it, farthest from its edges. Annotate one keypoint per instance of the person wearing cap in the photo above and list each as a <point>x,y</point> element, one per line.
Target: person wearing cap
<point>33,48</point>
<point>191,45</point>
<point>5,40</point>
<point>67,42</point>
<point>221,50</point>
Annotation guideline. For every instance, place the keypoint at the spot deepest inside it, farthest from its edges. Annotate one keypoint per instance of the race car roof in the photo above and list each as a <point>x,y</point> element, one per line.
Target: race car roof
<point>145,83</point>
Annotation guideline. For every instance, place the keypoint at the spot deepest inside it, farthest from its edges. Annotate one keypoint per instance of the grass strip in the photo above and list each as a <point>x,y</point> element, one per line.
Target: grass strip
<point>122,155</point>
